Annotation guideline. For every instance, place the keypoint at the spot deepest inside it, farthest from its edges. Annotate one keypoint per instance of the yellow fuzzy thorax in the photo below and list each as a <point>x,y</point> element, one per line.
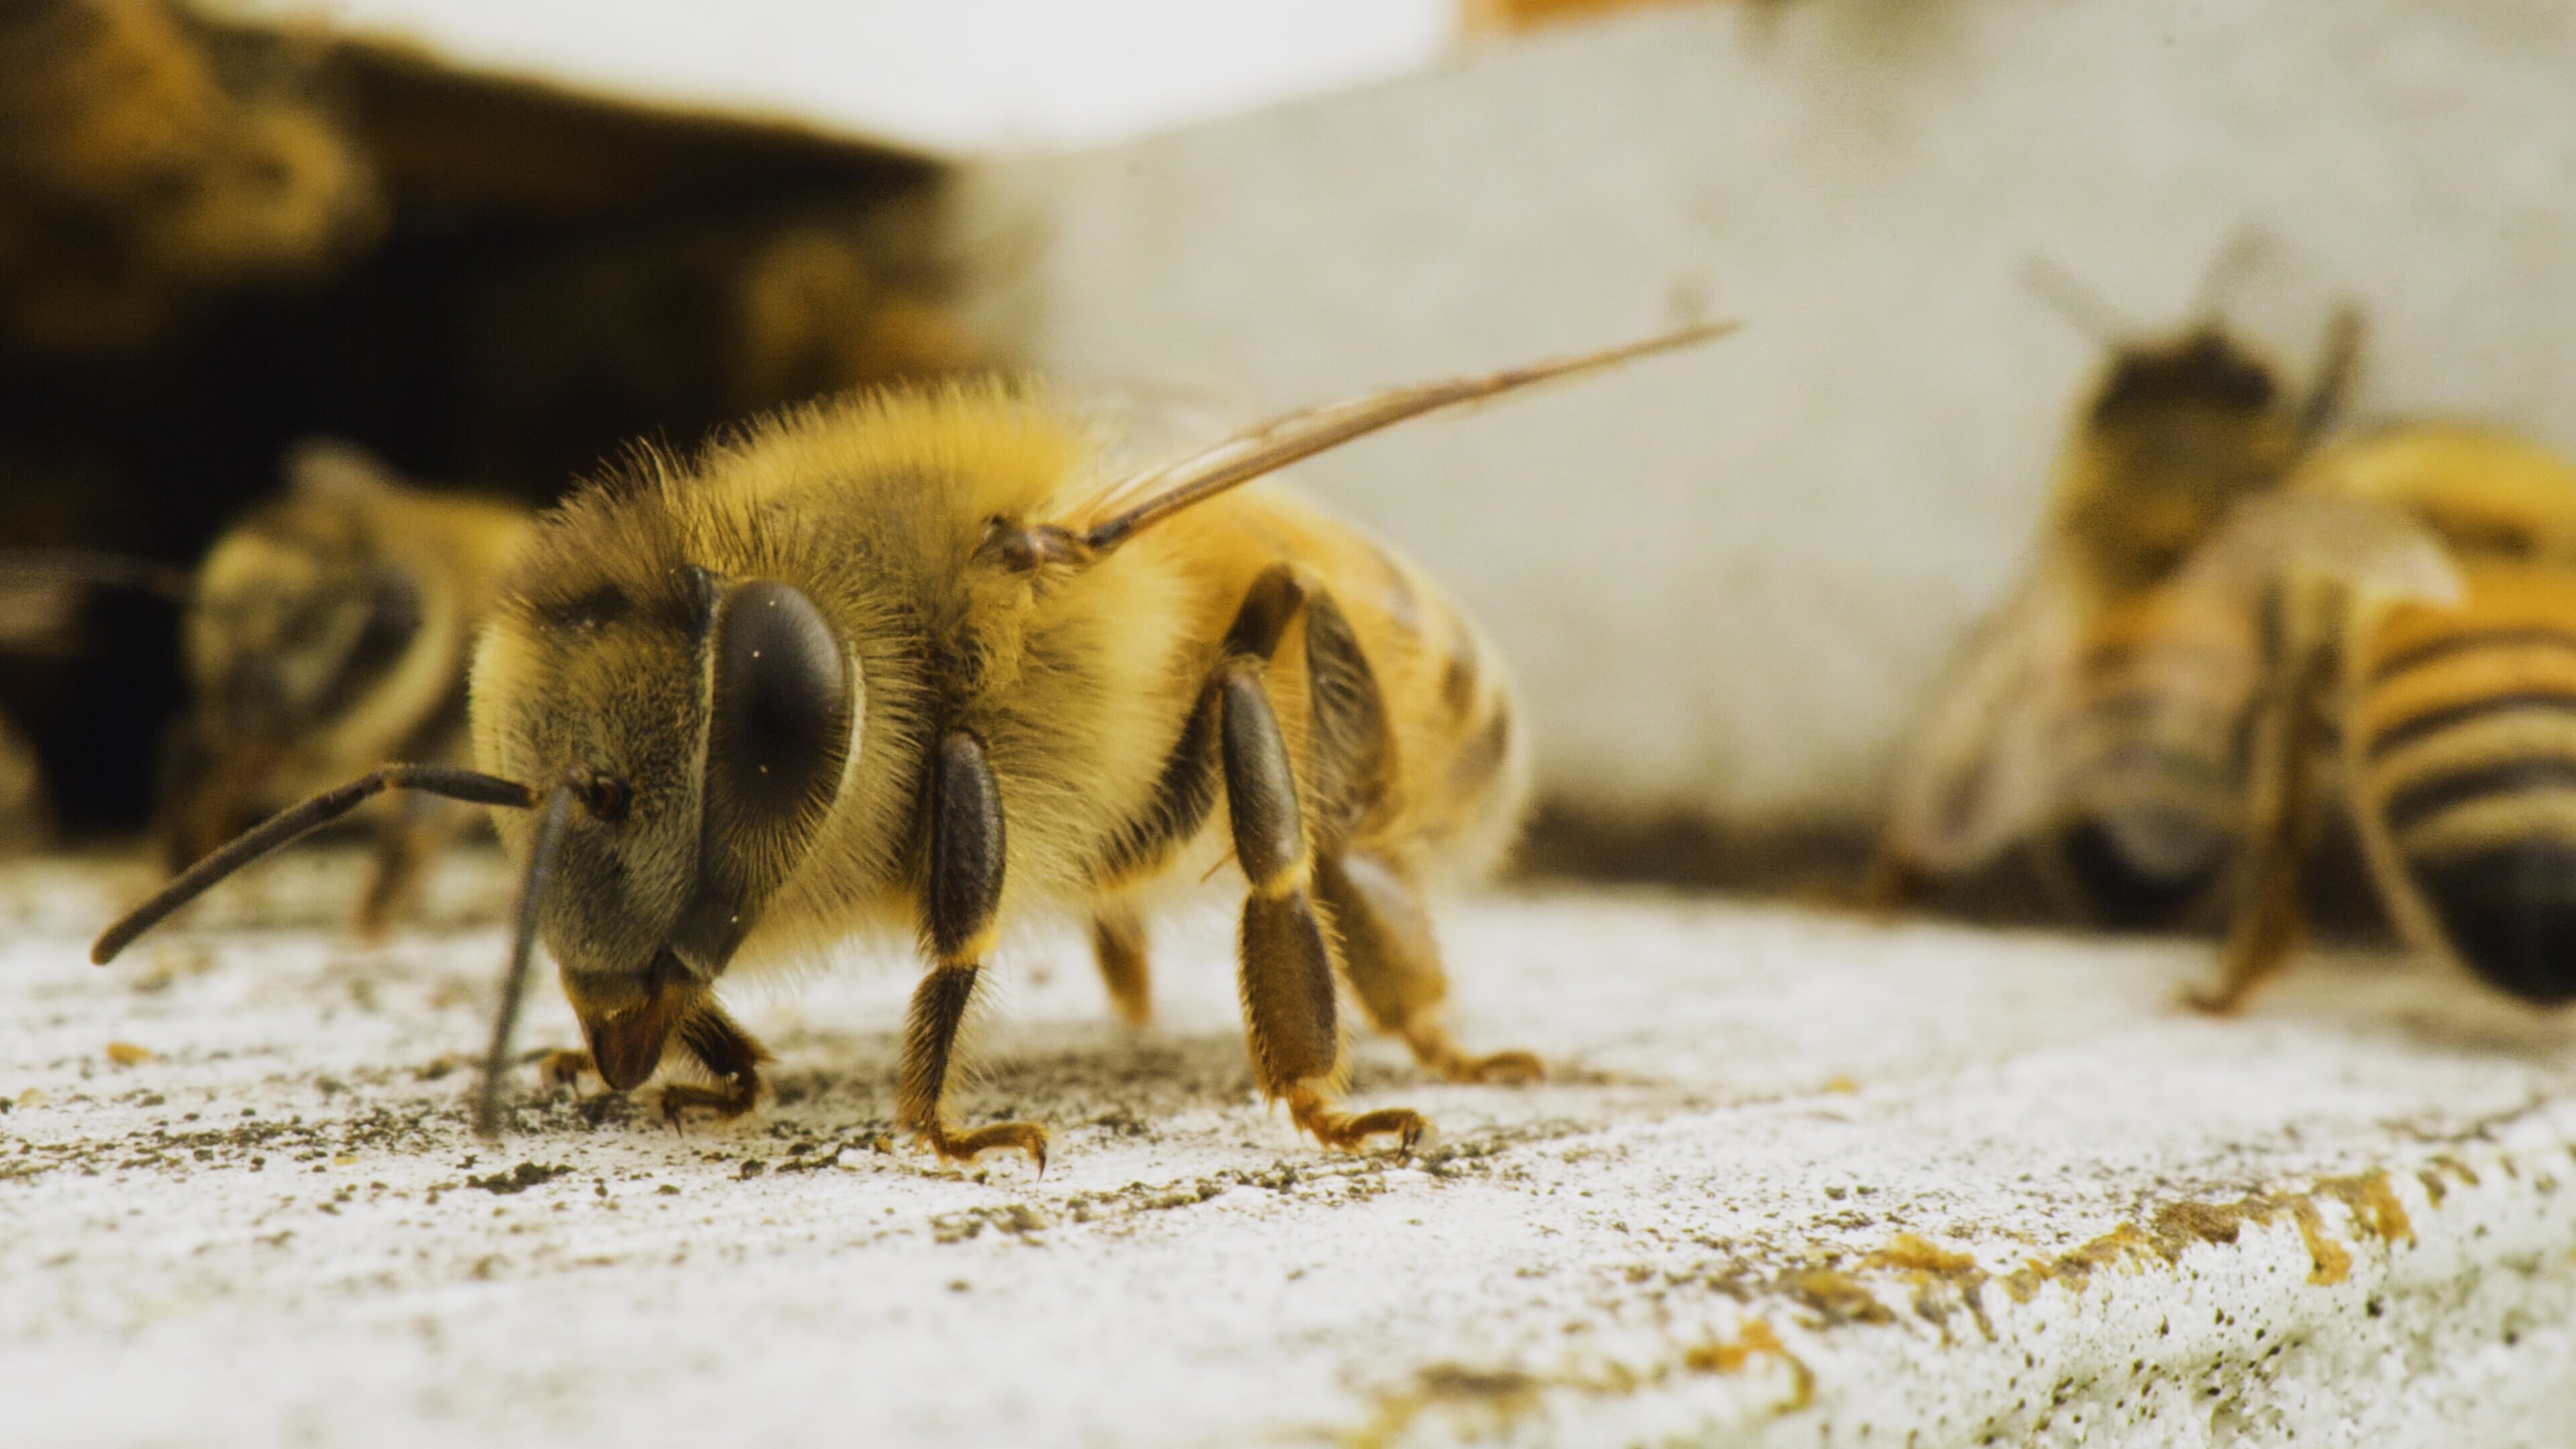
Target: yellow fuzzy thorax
<point>875,507</point>
<point>995,446</point>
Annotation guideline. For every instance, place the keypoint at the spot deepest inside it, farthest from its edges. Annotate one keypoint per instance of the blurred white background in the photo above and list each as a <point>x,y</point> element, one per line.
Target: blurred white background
<point>1726,580</point>
<point>947,75</point>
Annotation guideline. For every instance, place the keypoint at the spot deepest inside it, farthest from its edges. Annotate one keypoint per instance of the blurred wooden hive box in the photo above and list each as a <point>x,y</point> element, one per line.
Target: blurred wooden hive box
<point>216,239</point>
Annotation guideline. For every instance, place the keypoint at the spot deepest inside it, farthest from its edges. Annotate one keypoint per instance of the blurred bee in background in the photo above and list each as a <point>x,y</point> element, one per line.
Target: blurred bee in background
<point>2096,721</point>
<point>2420,583</point>
<point>920,660</point>
<point>224,229</point>
<point>326,632</point>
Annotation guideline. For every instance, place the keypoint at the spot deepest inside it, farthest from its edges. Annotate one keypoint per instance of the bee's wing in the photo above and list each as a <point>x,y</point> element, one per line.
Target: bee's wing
<point>2167,679</point>
<point>1980,769</point>
<point>2293,536</point>
<point>1140,426</point>
<point>2201,673</point>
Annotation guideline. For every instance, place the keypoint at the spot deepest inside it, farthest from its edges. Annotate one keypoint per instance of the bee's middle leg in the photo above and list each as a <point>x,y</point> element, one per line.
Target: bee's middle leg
<point>407,843</point>
<point>963,902</point>
<point>2283,822</point>
<point>1118,943</point>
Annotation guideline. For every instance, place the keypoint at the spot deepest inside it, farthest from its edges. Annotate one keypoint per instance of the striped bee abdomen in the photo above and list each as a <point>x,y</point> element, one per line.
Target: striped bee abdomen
<point>2151,748</point>
<point>2463,755</point>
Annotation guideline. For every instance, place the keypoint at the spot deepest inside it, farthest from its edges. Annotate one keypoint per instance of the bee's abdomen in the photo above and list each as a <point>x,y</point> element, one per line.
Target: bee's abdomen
<point>2152,744</point>
<point>1476,716</point>
<point>1459,744</point>
<point>2464,743</point>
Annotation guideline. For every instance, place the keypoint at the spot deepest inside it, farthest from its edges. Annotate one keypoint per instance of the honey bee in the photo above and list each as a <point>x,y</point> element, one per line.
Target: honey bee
<point>913,660</point>
<point>2095,721</point>
<point>327,631</point>
<point>2421,674</point>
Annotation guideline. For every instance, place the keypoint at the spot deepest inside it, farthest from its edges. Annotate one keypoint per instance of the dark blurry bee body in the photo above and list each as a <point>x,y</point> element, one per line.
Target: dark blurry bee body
<point>26,820</point>
<point>325,633</point>
<point>2096,722</point>
<point>2149,742</point>
<point>921,660</point>
<point>2437,703</point>
<point>44,598</point>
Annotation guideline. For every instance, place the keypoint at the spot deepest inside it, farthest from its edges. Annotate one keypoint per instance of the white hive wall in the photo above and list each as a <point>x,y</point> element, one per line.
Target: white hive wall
<point>1727,580</point>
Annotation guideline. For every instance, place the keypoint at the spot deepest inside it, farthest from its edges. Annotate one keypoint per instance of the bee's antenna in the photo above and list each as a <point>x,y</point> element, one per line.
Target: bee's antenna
<point>2077,303</point>
<point>523,948</point>
<point>1276,444</point>
<point>288,825</point>
<point>2236,256</point>
<point>2338,363</point>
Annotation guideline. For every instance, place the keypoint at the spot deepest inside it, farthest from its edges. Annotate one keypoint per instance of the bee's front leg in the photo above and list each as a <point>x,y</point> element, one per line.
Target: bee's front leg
<point>563,1068</point>
<point>731,1055</point>
<point>962,902</point>
<point>708,1034</point>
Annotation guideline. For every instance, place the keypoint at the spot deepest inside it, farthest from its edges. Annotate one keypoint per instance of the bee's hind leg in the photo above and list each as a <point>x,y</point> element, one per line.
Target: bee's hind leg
<point>1393,964</point>
<point>1287,960</point>
<point>409,840</point>
<point>1388,952</point>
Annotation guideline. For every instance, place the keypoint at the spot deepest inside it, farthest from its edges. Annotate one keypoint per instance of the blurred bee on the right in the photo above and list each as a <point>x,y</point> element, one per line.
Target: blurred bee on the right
<point>2096,721</point>
<point>2419,588</point>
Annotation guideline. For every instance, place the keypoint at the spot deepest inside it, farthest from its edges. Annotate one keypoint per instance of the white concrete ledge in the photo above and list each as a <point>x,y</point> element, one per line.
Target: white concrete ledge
<point>1798,1180</point>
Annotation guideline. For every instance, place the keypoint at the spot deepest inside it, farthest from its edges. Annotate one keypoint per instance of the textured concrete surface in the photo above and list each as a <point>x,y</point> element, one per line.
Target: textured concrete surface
<point>1788,533</point>
<point>1797,1180</point>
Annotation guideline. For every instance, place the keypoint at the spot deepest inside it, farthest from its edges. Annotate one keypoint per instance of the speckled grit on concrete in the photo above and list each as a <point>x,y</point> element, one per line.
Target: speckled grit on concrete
<point>1799,1179</point>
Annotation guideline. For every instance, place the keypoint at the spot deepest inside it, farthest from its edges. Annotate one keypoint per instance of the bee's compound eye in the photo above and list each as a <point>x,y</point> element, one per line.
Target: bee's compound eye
<point>781,708</point>
<point>605,797</point>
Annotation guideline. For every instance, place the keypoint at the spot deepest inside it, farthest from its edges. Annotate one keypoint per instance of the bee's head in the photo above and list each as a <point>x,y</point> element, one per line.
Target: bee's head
<point>2203,369</point>
<point>706,723</point>
<point>2178,431</point>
